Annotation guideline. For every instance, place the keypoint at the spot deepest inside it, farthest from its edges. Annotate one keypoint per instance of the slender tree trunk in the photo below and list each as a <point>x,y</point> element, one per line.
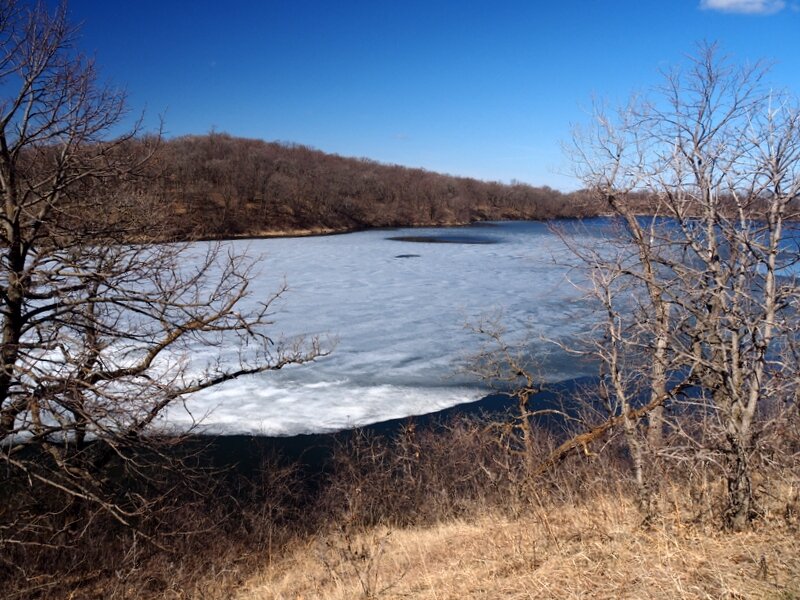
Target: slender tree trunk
<point>658,379</point>
<point>740,492</point>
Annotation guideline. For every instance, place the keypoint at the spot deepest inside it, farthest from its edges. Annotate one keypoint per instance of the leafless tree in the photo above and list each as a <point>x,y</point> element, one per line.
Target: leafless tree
<point>98,324</point>
<point>708,276</point>
<point>504,362</point>
<point>508,370</point>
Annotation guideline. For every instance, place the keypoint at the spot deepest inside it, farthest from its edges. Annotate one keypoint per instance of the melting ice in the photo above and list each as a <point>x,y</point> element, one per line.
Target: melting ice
<point>398,311</point>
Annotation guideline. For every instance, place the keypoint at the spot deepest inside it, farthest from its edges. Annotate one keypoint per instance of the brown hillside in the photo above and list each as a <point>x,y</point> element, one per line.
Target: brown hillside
<point>217,185</point>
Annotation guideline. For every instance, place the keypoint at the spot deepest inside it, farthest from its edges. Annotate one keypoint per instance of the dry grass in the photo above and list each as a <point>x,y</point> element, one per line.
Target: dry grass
<point>436,513</point>
<point>597,550</point>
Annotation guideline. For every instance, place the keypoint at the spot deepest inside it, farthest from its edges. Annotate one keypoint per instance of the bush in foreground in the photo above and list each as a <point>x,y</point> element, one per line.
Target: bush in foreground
<point>439,508</point>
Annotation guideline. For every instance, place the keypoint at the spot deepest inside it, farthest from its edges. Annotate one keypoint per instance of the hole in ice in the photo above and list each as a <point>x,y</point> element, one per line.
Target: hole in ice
<point>445,239</point>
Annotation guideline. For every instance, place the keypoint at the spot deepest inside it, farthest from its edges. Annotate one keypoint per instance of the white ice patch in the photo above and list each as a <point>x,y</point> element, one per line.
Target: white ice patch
<point>252,408</point>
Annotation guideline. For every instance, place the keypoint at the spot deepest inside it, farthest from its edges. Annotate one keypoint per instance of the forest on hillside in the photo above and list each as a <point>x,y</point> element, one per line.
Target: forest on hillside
<point>217,185</point>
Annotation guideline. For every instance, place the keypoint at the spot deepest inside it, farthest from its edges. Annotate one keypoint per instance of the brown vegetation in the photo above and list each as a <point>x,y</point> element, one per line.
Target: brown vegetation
<point>592,550</point>
<point>96,330</point>
<point>702,294</point>
<point>444,510</point>
<point>217,186</point>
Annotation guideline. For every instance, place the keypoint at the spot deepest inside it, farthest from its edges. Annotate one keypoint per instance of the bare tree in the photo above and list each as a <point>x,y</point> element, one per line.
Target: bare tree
<point>508,369</point>
<point>98,325</point>
<point>708,275</point>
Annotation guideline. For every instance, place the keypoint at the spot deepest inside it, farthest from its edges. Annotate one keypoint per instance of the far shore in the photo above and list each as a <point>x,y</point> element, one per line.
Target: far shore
<point>325,231</point>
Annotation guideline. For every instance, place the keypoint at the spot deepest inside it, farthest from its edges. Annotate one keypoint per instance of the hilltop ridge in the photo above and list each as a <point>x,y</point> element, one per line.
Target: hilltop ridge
<point>217,185</point>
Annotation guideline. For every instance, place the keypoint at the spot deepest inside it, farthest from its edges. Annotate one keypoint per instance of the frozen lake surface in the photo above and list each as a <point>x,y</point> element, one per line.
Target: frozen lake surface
<point>397,309</point>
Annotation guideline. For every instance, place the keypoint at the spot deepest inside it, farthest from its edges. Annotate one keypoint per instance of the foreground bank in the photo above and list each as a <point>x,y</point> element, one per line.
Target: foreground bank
<point>416,508</point>
<point>595,549</point>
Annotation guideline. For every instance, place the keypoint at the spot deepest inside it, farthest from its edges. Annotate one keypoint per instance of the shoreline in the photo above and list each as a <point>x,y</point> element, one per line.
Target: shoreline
<point>312,451</point>
<point>328,231</point>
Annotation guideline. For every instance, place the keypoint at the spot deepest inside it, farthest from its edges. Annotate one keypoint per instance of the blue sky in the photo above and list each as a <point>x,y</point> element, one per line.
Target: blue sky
<point>481,89</point>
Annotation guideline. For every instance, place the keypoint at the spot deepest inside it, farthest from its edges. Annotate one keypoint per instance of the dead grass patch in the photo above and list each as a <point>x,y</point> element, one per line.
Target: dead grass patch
<point>596,550</point>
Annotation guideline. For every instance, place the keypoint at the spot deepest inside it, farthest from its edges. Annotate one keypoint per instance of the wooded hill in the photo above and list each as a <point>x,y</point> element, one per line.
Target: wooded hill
<point>217,185</point>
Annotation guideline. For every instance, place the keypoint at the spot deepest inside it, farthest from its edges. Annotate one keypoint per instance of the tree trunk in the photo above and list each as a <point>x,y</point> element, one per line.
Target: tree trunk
<point>740,492</point>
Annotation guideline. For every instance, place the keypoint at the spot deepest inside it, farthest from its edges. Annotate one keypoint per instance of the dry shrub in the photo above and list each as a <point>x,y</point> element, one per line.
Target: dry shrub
<point>203,525</point>
<point>424,475</point>
<point>466,520</point>
<point>596,550</point>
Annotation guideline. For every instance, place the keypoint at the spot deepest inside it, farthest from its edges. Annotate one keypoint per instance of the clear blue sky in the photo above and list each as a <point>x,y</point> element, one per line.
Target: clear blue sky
<point>485,89</point>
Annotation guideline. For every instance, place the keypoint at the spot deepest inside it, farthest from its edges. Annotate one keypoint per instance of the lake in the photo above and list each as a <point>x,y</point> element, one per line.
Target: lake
<point>398,303</point>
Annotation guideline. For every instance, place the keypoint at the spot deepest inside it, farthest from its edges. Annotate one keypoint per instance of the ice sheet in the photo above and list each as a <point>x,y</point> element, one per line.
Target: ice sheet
<point>398,312</point>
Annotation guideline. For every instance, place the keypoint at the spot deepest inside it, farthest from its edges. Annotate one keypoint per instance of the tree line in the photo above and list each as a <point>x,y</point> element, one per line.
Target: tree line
<point>218,185</point>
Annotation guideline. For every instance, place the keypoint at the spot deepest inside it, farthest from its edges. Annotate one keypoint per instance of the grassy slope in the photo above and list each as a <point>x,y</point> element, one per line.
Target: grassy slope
<point>596,550</point>
<point>434,510</point>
